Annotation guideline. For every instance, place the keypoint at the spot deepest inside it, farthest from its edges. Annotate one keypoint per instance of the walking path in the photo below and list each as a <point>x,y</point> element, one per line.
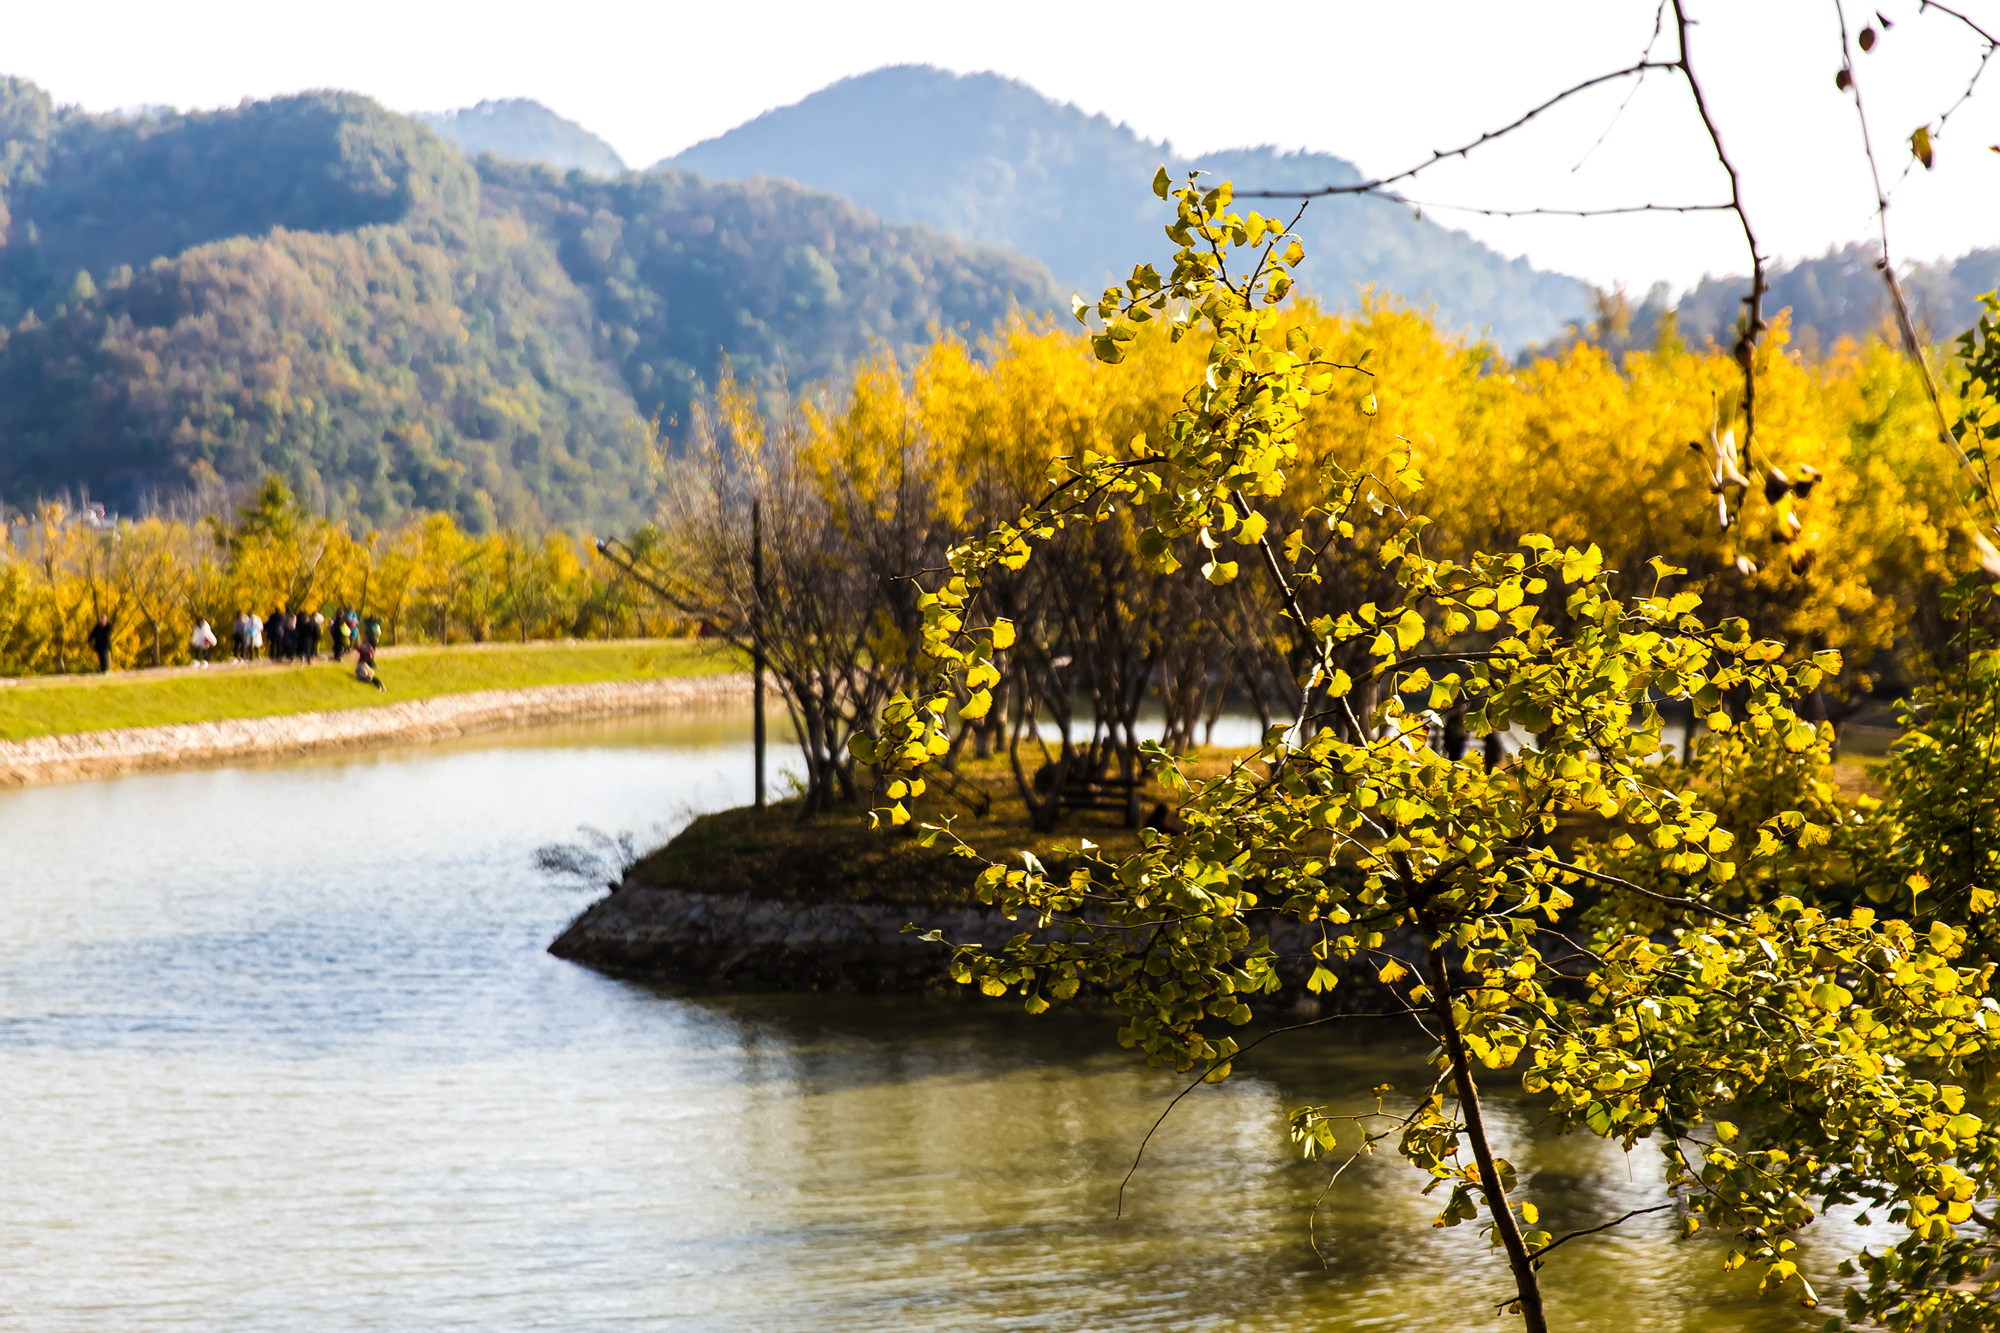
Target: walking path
<point>98,754</point>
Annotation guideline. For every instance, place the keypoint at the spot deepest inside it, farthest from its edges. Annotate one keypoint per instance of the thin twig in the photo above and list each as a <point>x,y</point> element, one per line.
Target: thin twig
<point>1659,23</point>
<point>1564,212</point>
<point>1912,346</point>
<point>1745,350</point>
<point>1971,85</point>
<point>1543,1253</point>
<point>1203,1077</point>
<point>1565,867</point>
<point>1446,154</point>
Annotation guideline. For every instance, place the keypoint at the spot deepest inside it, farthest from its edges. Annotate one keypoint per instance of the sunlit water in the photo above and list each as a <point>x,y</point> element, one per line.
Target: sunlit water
<point>280,1049</point>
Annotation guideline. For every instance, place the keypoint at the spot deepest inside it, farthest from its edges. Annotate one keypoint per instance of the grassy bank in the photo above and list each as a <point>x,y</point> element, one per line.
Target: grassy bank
<point>56,705</point>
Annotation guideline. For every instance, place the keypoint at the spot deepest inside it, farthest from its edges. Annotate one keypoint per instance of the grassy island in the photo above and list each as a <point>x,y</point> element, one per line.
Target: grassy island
<point>835,856</point>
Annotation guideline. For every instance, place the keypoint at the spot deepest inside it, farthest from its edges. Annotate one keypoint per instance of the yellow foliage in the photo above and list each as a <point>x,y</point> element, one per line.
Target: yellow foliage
<point>1577,446</point>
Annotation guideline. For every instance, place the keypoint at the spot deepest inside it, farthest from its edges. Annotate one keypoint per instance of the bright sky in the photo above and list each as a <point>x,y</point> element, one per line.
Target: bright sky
<point>1382,84</point>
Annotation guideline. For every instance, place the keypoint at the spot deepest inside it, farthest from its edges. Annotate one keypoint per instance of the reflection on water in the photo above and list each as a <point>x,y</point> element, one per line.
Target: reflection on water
<point>280,1049</point>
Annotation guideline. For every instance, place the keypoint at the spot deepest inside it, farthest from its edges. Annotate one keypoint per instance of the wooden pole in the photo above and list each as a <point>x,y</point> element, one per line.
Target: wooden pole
<point>757,637</point>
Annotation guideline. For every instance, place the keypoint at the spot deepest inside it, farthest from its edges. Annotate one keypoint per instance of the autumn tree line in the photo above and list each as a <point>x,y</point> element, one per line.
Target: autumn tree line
<point>1853,525</point>
<point>427,581</point>
<point>859,487</point>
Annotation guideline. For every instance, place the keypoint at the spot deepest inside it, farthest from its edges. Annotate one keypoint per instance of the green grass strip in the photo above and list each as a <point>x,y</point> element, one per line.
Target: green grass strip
<point>58,705</point>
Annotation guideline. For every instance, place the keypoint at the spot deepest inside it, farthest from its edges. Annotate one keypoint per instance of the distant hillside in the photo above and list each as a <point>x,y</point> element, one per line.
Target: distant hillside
<point>993,160</point>
<point>681,270</point>
<point>316,286</point>
<point>81,192</point>
<point>1842,294</point>
<point>525,131</point>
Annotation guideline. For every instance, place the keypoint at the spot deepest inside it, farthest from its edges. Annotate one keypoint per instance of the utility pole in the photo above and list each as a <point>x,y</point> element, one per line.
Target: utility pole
<point>757,637</point>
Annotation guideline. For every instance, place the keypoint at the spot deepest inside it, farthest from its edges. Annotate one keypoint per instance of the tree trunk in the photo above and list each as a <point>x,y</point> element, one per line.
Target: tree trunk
<point>1528,1284</point>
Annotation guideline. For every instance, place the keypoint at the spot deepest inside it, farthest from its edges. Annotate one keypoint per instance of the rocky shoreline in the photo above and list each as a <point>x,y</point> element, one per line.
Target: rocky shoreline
<point>100,754</point>
<point>743,941</point>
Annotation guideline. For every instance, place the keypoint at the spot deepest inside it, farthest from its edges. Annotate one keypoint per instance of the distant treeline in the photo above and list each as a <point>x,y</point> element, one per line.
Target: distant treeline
<point>428,580</point>
<point>1839,295</point>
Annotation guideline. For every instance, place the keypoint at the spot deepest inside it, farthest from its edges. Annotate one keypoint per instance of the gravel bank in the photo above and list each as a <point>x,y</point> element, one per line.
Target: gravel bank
<point>101,754</point>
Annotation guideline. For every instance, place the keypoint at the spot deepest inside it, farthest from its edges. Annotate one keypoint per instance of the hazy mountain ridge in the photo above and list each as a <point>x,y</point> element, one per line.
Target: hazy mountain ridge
<point>1841,294</point>
<point>523,130</point>
<point>991,159</point>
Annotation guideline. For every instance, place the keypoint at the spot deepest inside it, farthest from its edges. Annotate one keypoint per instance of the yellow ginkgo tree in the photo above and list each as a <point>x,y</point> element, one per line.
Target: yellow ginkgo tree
<point>1781,1054</point>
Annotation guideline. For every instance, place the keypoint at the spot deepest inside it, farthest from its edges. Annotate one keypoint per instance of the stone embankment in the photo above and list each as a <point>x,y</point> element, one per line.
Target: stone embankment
<point>742,941</point>
<point>100,754</point>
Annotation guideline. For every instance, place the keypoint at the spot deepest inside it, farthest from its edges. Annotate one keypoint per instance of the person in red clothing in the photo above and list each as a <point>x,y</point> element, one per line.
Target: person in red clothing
<point>364,664</point>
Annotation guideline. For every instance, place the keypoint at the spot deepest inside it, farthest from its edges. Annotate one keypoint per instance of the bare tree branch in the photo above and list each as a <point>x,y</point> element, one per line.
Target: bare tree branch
<point>1564,212</point>
<point>1885,263</point>
<point>1446,154</point>
<point>1202,1078</point>
<point>1972,84</point>
<point>1745,349</point>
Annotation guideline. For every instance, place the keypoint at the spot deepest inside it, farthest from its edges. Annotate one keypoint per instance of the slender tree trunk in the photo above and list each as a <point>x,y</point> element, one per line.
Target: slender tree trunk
<point>1528,1284</point>
<point>757,646</point>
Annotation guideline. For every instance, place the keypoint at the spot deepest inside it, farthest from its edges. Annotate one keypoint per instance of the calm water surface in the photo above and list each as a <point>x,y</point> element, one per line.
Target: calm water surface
<point>280,1049</point>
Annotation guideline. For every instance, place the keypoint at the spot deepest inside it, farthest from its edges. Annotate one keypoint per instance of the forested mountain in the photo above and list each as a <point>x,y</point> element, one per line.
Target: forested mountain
<point>524,130</point>
<point>316,286</point>
<point>776,276</point>
<point>993,160</point>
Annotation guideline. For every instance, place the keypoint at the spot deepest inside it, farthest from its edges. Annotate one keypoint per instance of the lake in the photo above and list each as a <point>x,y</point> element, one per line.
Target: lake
<point>281,1049</point>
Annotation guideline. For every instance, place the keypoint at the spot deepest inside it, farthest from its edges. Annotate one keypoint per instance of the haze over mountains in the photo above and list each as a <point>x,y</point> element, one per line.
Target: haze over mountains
<point>991,159</point>
<point>525,131</point>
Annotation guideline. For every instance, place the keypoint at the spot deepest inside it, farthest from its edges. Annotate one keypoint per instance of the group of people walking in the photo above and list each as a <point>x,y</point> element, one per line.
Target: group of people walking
<point>283,636</point>
<point>288,636</point>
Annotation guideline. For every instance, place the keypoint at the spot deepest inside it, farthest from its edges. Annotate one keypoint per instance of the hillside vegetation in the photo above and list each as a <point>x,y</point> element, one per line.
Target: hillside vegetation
<point>775,276</point>
<point>317,287</point>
